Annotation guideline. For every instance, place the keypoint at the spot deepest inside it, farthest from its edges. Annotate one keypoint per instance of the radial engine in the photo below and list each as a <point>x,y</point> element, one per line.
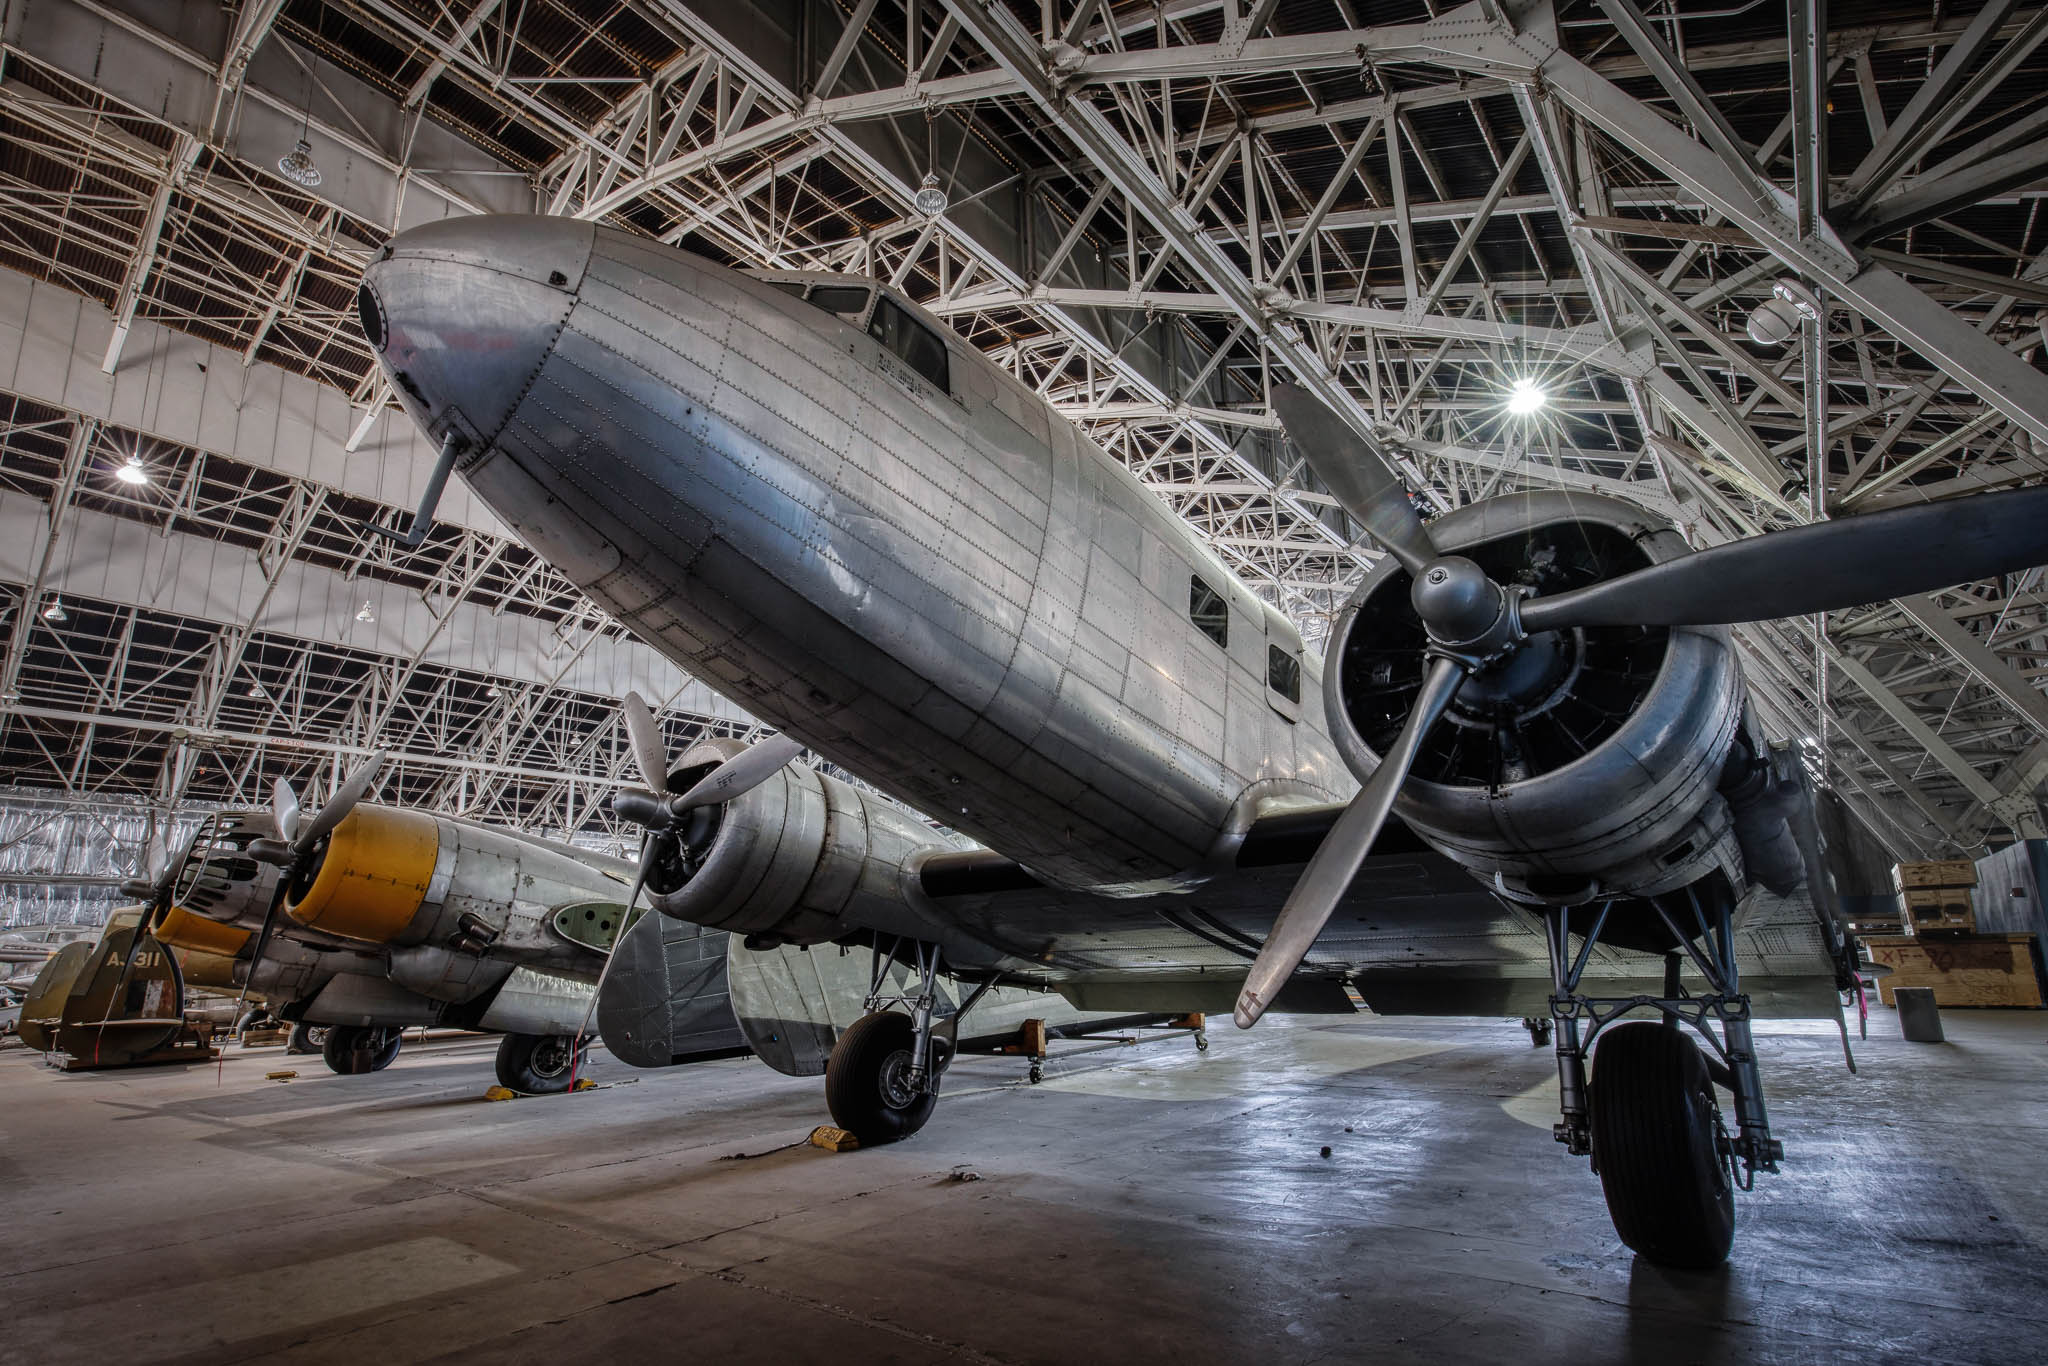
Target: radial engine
<point>1594,762</point>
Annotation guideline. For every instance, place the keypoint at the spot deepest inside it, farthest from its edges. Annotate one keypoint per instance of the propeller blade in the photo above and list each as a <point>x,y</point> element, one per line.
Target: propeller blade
<point>743,772</point>
<point>650,854</point>
<point>1336,861</point>
<point>1822,567</point>
<point>351,791</point>
<point>284,885</point>
<point>156,859</point>
<point>1356,474</point>
<point>650,751</point>
<point>128,963</point>
<point>284,811</point>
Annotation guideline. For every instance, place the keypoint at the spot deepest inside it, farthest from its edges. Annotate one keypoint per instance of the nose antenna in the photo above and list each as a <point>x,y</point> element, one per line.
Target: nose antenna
<point>423,516</point>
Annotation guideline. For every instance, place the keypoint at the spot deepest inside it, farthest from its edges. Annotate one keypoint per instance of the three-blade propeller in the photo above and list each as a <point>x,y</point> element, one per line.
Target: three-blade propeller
<point>1474,625</point>
<point>660,814</point>
<point>297,839</point>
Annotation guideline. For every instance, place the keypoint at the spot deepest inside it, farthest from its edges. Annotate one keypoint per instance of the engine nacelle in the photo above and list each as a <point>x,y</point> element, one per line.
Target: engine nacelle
<point>388,875</point>
<point>369,880</point>
<point>1591,763</point>
<point>792,860</point>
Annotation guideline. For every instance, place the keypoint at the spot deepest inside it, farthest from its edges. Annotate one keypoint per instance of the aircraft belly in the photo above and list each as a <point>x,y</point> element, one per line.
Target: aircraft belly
<point>1415,935</point>
<point>892,604</point>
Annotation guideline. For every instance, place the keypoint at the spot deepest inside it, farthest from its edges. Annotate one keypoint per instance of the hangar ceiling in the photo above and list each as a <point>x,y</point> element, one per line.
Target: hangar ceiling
<point>1154,211</point>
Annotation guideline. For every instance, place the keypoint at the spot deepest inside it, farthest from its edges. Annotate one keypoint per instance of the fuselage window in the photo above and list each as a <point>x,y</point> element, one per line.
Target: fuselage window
<point>1283,673</point>
<point>913,342</point>
<point>848,301</point>
<point>1207,610</point>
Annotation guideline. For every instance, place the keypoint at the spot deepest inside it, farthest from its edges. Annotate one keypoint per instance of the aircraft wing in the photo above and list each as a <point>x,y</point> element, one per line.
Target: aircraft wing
<point>1415,935</point>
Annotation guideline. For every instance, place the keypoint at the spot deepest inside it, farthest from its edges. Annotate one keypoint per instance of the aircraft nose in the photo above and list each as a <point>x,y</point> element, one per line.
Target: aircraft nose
<point>462,313</point>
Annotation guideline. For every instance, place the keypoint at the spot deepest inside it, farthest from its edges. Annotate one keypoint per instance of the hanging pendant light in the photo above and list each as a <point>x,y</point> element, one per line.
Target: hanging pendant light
<point>930,200</point>
<point>297,166</point>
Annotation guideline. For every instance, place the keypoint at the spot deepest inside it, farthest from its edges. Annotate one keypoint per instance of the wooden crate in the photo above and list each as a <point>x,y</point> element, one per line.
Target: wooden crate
<point>1938,910</point>
<point>1957,872</point>
<point>1964,970</point>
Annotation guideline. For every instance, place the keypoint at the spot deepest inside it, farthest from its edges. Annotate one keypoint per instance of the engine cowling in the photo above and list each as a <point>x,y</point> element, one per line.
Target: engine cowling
<point>219,880</point>
<point>795,860</point>
<point>1591,762</point>
<point>370,877</point>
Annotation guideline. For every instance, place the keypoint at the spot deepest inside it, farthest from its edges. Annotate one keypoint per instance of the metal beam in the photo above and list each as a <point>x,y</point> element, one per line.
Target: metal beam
<point>2022,696</point>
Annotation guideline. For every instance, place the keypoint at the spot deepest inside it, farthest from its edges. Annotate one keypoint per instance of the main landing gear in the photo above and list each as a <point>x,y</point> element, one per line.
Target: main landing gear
<point>537,1064</point>
<point>882,1080</point>
<point>1649,1118</point>
<point>352,1049</point>
<point>306,1038</point>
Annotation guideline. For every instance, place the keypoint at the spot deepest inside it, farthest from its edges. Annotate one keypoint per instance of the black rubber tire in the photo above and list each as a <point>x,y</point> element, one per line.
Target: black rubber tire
<point>537,1064</point>
<point>1667,1187</point>
<point>864,1085</point>
<point>307,1038</point>
<point>353,1050</point>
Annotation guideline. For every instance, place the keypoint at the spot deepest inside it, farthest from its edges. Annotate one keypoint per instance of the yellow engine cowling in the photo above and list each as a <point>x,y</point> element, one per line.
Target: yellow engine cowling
<point>370,880</point>
<point>178,928</point>
<point>203,969</point>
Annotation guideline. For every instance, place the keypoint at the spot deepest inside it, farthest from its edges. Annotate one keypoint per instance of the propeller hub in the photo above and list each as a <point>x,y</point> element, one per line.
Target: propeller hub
<point>1466,613</point>
<point>642,808</point>
<point>275,852</point>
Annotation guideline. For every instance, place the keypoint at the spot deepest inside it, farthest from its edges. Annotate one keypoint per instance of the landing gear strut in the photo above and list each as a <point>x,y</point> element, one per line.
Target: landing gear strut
<point>1649,1119</point>
<point>882,1081</point>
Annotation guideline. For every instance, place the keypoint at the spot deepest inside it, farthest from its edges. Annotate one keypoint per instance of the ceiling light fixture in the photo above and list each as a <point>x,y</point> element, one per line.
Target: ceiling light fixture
<point>297,166</point>
<point>134,472</point>
<point>55,611</point>
<point>1526,397</point>
<point>930,200</point>
<point>366,615</point>
<point>1777,319</point>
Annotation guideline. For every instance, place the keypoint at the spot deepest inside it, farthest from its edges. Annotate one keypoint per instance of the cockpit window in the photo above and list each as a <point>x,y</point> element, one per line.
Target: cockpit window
<point>917,345</point>
<point>1208,611</point>
<point>848,301</point>
<point>795,287</point>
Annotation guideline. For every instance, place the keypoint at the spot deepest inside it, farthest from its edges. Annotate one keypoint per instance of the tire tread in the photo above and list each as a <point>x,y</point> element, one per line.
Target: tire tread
<point>1647,1146</point>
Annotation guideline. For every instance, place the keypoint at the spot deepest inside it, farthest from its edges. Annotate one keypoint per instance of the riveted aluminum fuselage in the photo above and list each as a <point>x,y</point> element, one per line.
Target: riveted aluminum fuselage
<point>948,590</point>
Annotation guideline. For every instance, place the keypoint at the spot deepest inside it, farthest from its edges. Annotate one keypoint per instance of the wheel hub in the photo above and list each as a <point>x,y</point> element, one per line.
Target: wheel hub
<point>551,1057</point>
<point>897,1092</point>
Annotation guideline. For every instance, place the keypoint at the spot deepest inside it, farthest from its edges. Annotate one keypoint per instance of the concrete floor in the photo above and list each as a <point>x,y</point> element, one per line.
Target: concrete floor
<point>1143,1205</point>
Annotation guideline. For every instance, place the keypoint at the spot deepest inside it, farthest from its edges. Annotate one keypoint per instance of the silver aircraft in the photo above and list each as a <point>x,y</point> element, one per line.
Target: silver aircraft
<point>816,498</point>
